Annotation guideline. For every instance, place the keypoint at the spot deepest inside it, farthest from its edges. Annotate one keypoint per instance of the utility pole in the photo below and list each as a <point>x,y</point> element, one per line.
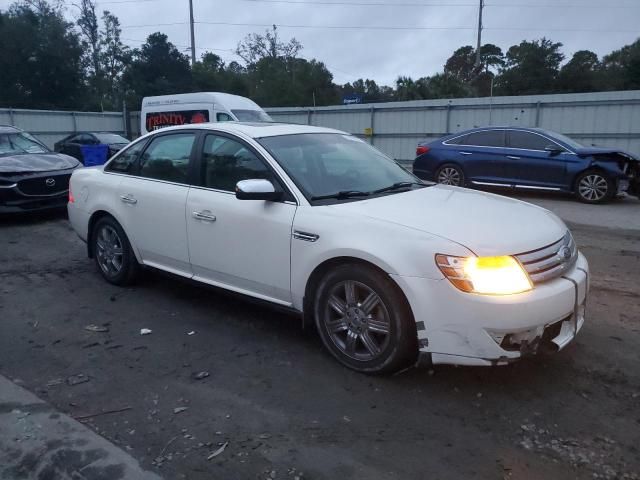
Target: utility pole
<point>479,33</point>
<point>193,36</point>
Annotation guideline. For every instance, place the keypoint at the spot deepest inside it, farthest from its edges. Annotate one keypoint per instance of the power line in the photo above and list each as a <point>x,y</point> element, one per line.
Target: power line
<point>405,4</point>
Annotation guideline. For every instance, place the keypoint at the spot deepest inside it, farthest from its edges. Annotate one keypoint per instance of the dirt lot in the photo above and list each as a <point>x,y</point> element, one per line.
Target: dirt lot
<point>284,406</point>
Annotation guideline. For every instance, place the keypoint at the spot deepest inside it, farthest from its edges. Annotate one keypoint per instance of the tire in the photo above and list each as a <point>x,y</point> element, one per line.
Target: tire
<point>112,252</point>
<point>450,174</point>
<point>370,334</point>
<point>593,186</point>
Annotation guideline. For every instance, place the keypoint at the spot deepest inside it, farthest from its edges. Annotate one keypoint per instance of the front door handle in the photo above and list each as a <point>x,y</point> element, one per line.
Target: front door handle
<point>466,153</point>
<point>204,215</point>
<point>513,157</point>
<point>128,198</point>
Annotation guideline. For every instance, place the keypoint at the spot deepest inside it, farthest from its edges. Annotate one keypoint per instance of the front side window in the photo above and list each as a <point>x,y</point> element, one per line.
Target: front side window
<point>252,116</point>
<point>84,139</point>
<point>327,163</point>
<point>125,161</point>
<point>528,141</point>
<point>167,157</point>
<point>223,117</point>
<point>225,162</point>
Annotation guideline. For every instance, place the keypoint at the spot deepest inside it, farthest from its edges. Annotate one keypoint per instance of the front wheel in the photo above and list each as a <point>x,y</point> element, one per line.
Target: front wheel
<point>364,320</point>
<point>450,174</point>
<point>593,186</point>
<point>113,253</point>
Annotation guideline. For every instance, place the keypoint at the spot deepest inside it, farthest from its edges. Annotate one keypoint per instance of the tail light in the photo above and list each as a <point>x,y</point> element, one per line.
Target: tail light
<point>71,199</point>
<point>421,150</point>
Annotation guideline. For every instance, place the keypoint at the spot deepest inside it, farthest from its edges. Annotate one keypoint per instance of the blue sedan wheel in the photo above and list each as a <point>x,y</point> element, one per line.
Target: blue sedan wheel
<point>593,187</point>
<point>450,175</point>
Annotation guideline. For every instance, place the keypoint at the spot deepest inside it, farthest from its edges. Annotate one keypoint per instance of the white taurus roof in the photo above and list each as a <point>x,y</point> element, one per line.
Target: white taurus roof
<point>256,130</point>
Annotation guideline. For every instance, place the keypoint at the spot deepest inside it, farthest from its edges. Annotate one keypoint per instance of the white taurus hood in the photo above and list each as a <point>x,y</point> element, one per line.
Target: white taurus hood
<point>485,223</point>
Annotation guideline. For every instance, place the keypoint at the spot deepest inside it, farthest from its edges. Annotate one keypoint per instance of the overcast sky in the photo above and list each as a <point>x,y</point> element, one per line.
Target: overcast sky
<point>426,31</point>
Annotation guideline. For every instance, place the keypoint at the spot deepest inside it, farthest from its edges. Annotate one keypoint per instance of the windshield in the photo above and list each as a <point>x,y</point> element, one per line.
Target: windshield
<point>109,138</point>
<point>20,142</point>
<point>252,116</point>
<point>323,164</point>
<point>563,138</point>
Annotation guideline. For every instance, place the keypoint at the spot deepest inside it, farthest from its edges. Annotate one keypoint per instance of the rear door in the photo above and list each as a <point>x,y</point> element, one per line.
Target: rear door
<point>481,155</point>
<point>152,203</point>
<point>243,245</point>
<point>536,167</point>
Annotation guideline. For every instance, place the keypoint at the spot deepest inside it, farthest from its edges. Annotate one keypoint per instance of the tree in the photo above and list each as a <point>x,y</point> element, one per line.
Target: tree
<point>156,68</point>
<point>581,73</point>
<point>114,56</point>
<point>211,74</point>
<point>369,90</point>
<point>621,68</point>
<point>39,58</point>
<point>530,68</point>
<point>255,47</point>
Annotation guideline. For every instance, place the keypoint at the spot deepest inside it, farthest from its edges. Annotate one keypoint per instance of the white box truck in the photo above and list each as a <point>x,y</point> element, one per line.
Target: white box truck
<point>169,110</point>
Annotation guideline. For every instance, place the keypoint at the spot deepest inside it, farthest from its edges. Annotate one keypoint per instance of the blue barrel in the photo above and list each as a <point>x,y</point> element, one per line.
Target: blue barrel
<point>94,154</point>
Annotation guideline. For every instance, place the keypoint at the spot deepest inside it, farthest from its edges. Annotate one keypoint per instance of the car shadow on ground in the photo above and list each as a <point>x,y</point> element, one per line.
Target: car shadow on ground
<point>32,218</point>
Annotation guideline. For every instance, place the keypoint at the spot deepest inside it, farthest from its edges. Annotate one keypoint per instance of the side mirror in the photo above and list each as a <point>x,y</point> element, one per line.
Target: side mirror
<point>554,149</point>
<point>257,189</point>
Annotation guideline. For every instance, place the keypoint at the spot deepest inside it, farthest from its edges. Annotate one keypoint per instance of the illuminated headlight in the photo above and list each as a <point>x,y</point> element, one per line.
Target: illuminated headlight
<point>485,275</point>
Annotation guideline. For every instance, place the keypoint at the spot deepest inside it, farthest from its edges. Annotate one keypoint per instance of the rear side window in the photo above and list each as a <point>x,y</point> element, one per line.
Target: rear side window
<point>225,162</point>
<point>167,157</point>
<point>488,138</point>
<point>125,161</point>
<point>527,141</point>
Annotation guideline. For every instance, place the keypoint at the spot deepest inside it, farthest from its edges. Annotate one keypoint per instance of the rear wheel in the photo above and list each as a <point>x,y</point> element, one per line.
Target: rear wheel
<point>593,186</point>
<point>450,174</point>
<point>364,320</point>
<point>113,253</point>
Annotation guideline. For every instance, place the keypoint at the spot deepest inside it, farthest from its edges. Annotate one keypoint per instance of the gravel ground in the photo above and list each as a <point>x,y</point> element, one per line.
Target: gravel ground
<point>282,407</point>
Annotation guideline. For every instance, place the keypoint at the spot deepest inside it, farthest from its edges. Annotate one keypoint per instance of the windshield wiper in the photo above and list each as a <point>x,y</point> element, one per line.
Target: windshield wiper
<point>342,194</point>
<point>397,186</point>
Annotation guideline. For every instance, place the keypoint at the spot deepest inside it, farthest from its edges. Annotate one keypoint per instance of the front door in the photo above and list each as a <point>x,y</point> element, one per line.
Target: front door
<point>482,155</point>
<point>536,167</point>
<point>243,245</point>
<point>152,203</point>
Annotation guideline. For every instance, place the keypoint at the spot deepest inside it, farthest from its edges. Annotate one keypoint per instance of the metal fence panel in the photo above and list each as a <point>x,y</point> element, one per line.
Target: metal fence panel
<point>51,125</point>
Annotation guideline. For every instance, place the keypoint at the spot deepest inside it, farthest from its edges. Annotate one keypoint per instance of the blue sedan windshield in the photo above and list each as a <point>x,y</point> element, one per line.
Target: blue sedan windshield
<point>563,138</point>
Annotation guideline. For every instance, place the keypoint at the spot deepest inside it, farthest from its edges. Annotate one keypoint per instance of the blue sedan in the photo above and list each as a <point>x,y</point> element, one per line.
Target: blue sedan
<point>528,159</point>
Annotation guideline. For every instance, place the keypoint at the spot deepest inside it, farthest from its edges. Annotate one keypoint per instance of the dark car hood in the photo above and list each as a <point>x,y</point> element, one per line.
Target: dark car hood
<point>36,162</point>
<point>587,151</point>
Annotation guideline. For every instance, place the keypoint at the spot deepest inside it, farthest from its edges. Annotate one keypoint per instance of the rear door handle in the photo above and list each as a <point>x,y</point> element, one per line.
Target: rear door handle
<point>128,198</point>
<point>513,157</point>
<point>204,215</point>
<point>466,153</point>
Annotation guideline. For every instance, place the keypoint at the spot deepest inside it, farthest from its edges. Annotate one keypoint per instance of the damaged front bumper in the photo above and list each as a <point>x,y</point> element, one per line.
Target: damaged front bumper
<point>466,329</point>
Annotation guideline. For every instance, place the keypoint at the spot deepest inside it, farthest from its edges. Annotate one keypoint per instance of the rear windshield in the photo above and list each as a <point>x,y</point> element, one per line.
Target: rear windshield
<point>20,142</point>
<point>110,138</point>
<point>252,116</point>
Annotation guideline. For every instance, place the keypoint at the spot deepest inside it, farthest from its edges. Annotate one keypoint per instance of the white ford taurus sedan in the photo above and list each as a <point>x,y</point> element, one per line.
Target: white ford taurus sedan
<point>316,220</point>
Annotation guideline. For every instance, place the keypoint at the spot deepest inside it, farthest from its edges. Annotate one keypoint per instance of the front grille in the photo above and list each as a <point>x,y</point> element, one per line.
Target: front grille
<point>42,186</point>
<point>550,262</point>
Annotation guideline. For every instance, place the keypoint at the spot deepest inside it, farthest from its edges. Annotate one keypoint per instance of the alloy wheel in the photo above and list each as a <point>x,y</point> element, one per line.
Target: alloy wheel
<point>593,187</point>
<point>109,250</point>
<point>449,176</point>
<point>357,320</point>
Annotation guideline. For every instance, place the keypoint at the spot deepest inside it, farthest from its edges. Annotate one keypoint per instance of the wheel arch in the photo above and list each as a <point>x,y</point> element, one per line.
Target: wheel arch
<point>592,167</point>
<point>95,217</point>
<point>324,267</point>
